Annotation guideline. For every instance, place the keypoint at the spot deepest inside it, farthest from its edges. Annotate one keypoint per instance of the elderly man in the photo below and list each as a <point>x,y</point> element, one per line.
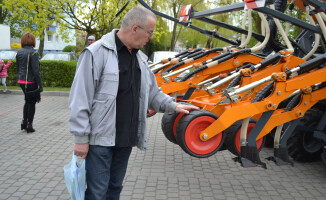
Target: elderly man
<point>112,90</point>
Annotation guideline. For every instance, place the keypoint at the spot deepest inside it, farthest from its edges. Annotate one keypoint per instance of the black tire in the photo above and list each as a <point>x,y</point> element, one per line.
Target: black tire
<point>323,156</point>
<point>269,139</point>
<point>302,146</point>
<point>232,143</point>
<point>168,126</point>
<point>188,129</point>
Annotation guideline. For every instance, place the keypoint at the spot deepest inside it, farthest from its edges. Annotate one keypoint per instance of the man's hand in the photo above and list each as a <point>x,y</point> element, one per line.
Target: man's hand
<point>183,108</point>
<point>81,150</point>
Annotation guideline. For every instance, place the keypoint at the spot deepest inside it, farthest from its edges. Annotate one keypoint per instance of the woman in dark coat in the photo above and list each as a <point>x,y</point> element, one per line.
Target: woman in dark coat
<point>29,78</point>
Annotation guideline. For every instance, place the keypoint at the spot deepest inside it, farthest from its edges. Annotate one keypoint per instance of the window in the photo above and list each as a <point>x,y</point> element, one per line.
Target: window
<point>50,38</point>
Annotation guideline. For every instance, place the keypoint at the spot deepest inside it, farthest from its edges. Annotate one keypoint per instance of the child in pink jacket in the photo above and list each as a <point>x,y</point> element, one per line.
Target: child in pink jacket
<point>3,73</point>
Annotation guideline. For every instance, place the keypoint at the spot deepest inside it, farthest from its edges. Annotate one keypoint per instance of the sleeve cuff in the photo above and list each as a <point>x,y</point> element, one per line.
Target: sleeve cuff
<point>171,107</point>
<point>81,139</point>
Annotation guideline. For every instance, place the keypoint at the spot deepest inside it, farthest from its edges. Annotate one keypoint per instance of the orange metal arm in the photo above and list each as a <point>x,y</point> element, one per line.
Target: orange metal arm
<point>278,117</point>
<point>246,109</point>
<point>227,66</point>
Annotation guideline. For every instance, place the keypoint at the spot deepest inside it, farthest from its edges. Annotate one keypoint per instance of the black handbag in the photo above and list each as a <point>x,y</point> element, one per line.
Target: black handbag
<point>34,95</point>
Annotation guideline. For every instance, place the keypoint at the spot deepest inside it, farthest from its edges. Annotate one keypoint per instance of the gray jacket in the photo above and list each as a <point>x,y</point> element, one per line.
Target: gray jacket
<point>93,93</point>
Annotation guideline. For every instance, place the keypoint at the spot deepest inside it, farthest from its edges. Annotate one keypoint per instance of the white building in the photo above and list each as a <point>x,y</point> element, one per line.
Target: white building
<point>53,42</point>
<point>5,36</point>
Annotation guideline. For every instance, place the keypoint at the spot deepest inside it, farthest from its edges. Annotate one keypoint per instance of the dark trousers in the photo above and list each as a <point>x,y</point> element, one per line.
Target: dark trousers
<point>29,108</point>
<point>105,170</point>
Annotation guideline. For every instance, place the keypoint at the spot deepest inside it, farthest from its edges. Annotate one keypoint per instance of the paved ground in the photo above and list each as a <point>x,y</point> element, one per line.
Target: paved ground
<point>31,164</point>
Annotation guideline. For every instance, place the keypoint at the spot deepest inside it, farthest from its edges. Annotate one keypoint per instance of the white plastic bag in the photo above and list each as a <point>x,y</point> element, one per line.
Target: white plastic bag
<point>75,177</point>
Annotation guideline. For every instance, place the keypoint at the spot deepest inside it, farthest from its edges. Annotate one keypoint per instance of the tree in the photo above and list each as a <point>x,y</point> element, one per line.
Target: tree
<point>161,34</point>
<point>5,16</point>
<point>69,48</point>
<point>96,17</point>
<point>37,15</point>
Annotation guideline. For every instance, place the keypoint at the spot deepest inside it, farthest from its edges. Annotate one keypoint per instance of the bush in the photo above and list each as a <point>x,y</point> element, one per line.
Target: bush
<point>53,73</point>
<point>16,46</point>
<point>69,48</point>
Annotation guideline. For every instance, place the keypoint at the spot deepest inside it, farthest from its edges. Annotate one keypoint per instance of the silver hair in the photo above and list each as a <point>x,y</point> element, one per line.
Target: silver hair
<point>136,16</point>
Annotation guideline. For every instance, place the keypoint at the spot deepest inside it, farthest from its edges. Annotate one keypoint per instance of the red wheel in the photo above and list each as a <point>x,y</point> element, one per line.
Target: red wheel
<point>233,137</point>
<point>150,113</point>
<point>179,99</point>
<point>176,123</point>
<point>188,134</point>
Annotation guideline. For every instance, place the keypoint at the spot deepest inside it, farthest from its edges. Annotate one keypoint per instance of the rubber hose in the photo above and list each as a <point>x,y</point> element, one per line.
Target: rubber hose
<point>294,101</point>
<point>193,72</point>
<point>173,67</point>
<point>263,92</point>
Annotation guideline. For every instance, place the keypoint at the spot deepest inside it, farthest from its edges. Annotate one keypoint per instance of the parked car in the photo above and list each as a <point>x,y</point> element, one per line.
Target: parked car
<point>64,56</point>
<point>160,55</point>
<point>8,54</point>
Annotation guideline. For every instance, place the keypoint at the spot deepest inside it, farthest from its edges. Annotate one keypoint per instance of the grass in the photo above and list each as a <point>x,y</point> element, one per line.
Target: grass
<point>59,89</point>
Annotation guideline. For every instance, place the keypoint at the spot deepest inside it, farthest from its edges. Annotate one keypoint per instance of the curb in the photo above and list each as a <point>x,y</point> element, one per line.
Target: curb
<point>44,93</point>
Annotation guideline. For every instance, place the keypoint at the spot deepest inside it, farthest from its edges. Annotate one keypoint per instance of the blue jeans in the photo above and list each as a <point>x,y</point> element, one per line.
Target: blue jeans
<point>105,170</point>
<point>3,81</point>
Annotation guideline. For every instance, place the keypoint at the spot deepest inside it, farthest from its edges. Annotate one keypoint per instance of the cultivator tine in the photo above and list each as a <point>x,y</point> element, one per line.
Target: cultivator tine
<point>249,153</point>
<point>250,158</point>
<point>188,93</point>
<point>281,156</point>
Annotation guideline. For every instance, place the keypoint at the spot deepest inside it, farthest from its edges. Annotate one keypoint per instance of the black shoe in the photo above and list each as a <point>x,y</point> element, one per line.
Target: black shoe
<point>23,125</point>
<point>30,128</point>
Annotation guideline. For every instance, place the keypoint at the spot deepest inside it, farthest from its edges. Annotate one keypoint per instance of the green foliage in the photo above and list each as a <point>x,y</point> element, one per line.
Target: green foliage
<point>92,16</point>
<point>69,48</point>
<point>53,73</point>
<point>34,15</point>
<point>5,18</point>
<point>161,39</point>
<point>80,41</point>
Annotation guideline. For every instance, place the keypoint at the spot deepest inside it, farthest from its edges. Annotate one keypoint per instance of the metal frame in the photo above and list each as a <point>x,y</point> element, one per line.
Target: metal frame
<point>188,25</point>
<point>292,20</point>
<point>208,20</point>
<point>274,13</point>
<point>220,10</point>
<point>319,5</point>
<point>232,28</point>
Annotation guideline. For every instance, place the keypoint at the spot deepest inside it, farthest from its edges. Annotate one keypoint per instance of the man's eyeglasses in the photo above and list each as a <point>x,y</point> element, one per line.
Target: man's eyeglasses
<point>150,33</point>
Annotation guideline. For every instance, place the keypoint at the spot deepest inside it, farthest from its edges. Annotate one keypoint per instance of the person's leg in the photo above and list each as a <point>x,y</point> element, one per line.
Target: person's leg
<point>118,171</point>
<point>3,80</point>
<point>25,110</point>
<point>98,163</point>
<point>30,109</point>
<point>30,112</point>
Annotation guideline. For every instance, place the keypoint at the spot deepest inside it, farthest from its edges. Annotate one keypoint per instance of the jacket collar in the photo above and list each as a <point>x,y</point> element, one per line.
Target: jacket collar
<point>108,40</point>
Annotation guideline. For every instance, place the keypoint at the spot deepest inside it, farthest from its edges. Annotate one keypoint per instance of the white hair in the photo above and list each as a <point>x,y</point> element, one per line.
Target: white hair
<point>136,16</point>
